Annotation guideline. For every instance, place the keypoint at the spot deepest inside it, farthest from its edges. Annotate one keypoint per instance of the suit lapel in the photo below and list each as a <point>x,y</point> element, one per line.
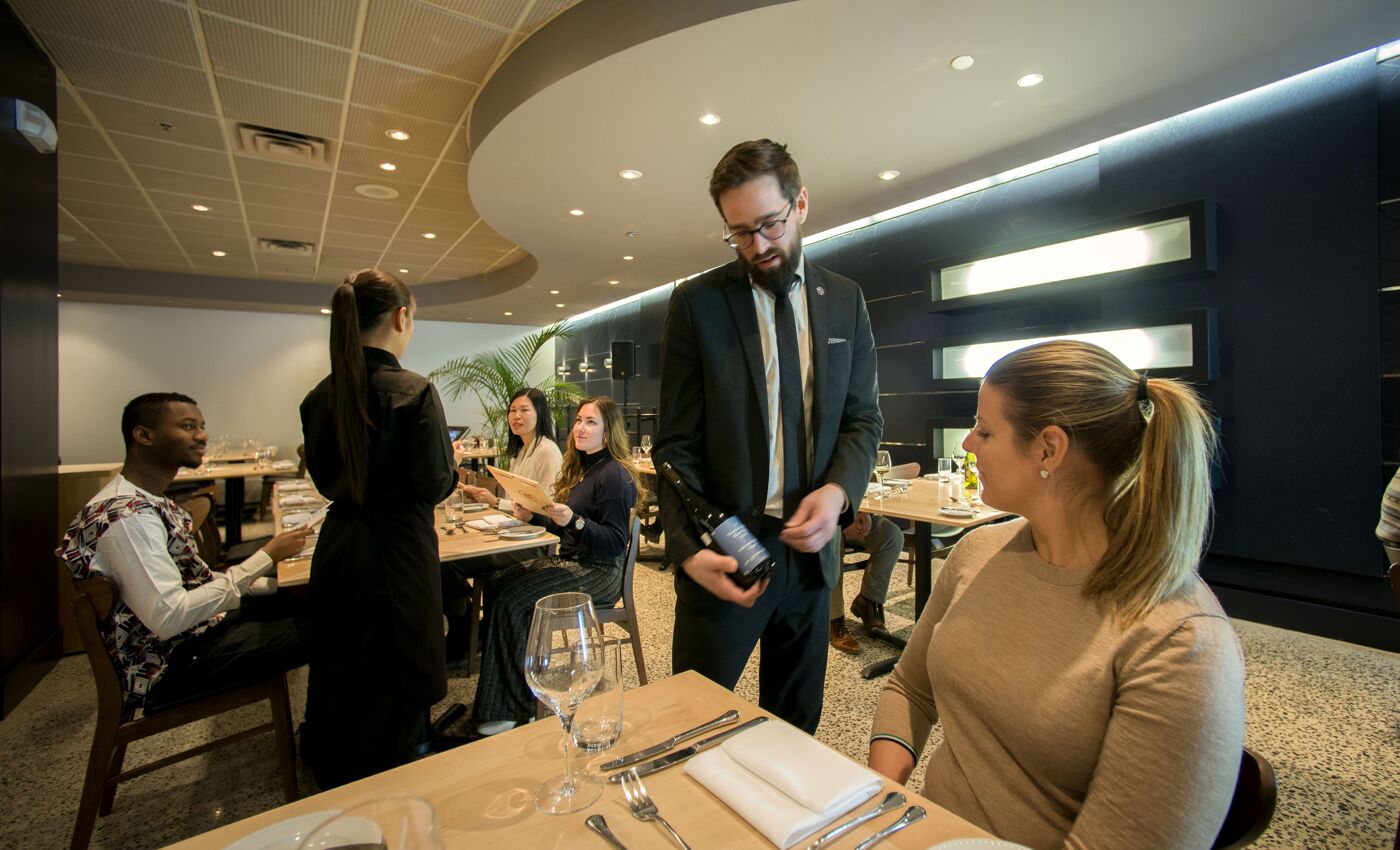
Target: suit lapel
<point>740,297</point>
<point>817,330</point>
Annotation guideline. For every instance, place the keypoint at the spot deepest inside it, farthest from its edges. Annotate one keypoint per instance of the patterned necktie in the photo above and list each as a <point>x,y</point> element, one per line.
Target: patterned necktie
<point>795,477</point>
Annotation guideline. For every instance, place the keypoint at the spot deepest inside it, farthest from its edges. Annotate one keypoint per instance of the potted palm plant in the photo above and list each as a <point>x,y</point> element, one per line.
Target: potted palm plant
<point>494,376</point>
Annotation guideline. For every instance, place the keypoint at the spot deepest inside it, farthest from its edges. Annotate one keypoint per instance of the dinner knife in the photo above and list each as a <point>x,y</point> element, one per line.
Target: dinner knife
<point>642,755</point>
<point>892,801</point>
<point>681,755</point>
<point>913,814</point>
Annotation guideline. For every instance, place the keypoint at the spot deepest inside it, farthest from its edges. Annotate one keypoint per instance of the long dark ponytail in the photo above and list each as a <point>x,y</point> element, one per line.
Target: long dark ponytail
<point>359,304</point>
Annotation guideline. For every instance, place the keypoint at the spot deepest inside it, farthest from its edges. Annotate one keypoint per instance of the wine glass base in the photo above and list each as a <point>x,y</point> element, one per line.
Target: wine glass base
<point>557,796</point>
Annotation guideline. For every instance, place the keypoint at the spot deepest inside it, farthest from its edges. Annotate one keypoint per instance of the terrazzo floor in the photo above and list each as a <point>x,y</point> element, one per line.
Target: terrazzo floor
<point>1326,714</point>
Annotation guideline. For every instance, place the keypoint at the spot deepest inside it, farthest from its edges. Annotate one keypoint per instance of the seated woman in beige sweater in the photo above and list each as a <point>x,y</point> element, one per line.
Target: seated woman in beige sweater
<point>1090,687</point>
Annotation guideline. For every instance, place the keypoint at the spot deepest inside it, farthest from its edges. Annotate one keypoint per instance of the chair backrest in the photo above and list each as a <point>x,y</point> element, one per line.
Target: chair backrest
<point>1252,807</point>
<point>1393,574</point>
<point>629,569</point>
<point>301,460</point>
<point>92,603</point>
<point>206,530</point>
<point>904,471</point>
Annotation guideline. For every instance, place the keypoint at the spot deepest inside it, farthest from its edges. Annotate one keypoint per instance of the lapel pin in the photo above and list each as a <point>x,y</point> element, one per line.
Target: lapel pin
<point>821,291</point>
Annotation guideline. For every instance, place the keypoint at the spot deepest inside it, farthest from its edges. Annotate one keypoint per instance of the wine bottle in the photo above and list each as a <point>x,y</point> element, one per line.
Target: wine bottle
<point>723,530</point>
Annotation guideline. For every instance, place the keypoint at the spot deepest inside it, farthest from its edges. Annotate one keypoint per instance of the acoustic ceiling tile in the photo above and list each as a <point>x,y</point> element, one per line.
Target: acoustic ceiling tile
<point>502,13</point>
<point>82,140</point>
<point>82,190</point>
<point>381,85</point>
<point>163,30</point>
<point>89,211</point>
<point>139,150</point>
<point>261,56</point>
<point>275,196</point>
<point>179,203</point>
<point>102,69</point>
<point>364,162</point>
<point>68,108</point>
<point>482,236</point>
<point>357,207</point>
<point>86,257</point>
<point>468,253</point>
<point>175,182</point>
<point>297,177</point>
<point>359,228</point>
<point>77,167</point>
<point>543,12</point>
<point>328,21</point>
<point>109,230</point>
<point>286,264</point>
<point>347,259</point>
<point>196,223</point>
<point>279,216</point>
<point>144,119</point>
<point>424,36</point>
<point>279,109</point>
<point>368,127</point>
<point>437,198</point>
<point>437,221</point>
<point>144,259</point>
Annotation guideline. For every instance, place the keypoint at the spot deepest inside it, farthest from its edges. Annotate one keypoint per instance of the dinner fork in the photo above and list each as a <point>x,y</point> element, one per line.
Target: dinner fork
<point>643,809</point>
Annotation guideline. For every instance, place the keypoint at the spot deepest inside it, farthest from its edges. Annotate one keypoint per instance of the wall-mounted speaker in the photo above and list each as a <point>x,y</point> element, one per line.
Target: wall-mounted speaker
<point>624,358</point>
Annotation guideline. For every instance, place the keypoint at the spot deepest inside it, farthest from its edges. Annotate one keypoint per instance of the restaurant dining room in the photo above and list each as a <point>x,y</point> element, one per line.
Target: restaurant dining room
<point>437,424</point>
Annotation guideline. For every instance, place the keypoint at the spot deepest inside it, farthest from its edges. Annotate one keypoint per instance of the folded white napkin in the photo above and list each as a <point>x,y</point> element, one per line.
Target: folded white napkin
<point>294,499</point>
<point>293,486</point>
<point>284,464</point>
<point>784,782</point>
<point>494,521</point>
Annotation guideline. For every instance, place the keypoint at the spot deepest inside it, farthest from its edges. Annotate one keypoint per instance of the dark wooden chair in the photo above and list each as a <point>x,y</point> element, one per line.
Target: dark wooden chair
<point>624,613</point>
<point>118,724</point>
<point>1252,807</point>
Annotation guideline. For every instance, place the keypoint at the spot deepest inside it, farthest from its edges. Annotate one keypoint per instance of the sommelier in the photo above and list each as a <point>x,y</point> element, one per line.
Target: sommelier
<point>768,377</point>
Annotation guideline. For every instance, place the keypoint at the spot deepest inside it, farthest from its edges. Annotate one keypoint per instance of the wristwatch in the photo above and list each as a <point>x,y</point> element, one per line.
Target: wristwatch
<point>578,524</point>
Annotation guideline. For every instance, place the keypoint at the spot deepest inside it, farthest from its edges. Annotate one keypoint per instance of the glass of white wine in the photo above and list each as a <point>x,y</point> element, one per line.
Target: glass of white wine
<point>882,468</point>
<point>564,660</point>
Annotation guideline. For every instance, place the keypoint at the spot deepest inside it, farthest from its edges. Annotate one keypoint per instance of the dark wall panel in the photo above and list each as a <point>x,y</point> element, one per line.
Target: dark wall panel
<point>29,636</point>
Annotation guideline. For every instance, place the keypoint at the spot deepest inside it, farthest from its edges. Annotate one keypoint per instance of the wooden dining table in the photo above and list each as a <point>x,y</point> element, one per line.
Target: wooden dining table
<point>456,546</point>
<point>483,793</point>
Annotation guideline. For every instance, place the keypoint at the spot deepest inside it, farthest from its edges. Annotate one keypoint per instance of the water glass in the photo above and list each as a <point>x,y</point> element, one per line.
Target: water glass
<point>945,468</point>
<point>646,444</point>
<point>598,723</point>
<point>452,508</point>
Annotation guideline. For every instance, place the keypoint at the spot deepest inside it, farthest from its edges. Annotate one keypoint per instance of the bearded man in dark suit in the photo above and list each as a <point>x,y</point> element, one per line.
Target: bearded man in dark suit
<point>768,407</point>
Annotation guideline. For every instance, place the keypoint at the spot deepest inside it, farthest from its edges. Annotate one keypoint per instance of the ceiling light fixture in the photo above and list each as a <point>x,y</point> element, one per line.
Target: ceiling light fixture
<point>403,271</point>
<point>199,208</point>
<point>376,191</point>
<point>429,235</point>
<point>1030,80</point>
<point>710,119</point>
<point>388,166</point>
<point>219,253</point>
<point>553,292</point>
<point>614,282</point>
<point>888,175</point>
<point>509,313</point>
<point>60,294</point>
<point>325,311</point>
<point>962,63</point>
<point>558,305</point>
<point>397,135</point>
<point>630,174</point>
<point>627,257</point>
<point>575,212</point>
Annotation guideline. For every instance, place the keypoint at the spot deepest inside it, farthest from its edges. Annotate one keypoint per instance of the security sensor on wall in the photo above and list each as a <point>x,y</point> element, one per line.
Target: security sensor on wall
<point>36,126</point>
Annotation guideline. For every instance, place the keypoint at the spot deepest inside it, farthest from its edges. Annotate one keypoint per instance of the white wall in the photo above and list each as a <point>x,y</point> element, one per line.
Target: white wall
<point>248,371</point>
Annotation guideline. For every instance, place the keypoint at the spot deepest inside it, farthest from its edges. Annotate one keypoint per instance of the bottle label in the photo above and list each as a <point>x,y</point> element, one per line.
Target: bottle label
<point>736,541</point>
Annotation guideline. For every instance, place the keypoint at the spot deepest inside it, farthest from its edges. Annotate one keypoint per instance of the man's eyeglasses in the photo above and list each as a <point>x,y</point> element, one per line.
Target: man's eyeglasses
<point>772,229</point>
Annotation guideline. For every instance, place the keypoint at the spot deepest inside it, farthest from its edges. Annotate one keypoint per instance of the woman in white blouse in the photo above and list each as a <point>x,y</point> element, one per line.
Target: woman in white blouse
<point>530,447</point>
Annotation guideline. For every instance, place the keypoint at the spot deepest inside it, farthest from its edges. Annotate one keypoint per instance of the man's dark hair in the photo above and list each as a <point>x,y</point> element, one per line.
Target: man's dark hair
<point>748,160</point>
<point>145,411</point>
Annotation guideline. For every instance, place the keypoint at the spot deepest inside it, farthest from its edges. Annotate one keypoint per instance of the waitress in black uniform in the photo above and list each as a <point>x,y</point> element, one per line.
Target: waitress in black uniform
<point>377,446</point>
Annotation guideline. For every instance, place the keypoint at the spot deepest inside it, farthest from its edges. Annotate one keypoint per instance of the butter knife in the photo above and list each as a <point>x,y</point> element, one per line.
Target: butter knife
<point>913,814</point>
<point>892,801</point>
<point>656,750</point>
<point>681,755</point>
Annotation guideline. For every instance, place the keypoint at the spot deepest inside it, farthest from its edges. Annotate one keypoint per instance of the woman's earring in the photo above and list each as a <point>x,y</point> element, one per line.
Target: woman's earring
<point>1044,473</point>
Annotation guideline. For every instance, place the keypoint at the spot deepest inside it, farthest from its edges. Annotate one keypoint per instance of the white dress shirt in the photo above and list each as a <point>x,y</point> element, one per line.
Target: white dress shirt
<point>134,553</point>
<point>765,305</point>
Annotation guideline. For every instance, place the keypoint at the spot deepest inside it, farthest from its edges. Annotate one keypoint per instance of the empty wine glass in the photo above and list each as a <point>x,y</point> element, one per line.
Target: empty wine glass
<point>646,445</point>
<point>391,823</point>
<point>563,663</point>
<point>882,466</point>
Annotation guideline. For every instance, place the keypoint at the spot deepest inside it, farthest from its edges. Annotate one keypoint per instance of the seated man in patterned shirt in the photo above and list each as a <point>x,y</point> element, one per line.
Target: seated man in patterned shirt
<point>178,629</point>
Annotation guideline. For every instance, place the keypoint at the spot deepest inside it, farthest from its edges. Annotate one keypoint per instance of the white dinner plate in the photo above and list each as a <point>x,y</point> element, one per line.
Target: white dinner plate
<point>288,834</point>
<point>981,843</point>
<point>958,512</point>
<point>473,507</point>
<point>521,532</point>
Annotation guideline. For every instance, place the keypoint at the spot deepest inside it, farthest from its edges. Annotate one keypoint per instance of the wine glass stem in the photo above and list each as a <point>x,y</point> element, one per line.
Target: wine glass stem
<point>568,724</point>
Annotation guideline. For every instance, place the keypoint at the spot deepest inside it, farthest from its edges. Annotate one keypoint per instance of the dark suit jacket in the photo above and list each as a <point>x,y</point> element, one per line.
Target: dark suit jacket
<point>714,401</point>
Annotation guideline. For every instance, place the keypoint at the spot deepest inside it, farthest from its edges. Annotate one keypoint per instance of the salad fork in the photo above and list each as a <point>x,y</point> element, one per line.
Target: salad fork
<point>643,809</point>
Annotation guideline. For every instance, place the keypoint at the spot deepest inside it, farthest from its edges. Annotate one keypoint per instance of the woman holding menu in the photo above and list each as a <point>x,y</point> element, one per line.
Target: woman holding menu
<point>592,513</point>
<point>377,446</point>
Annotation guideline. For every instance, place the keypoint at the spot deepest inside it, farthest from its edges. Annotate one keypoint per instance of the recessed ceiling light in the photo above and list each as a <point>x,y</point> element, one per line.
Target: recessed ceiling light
<point>553,292</point>
<point>575,212</point>
<point>1030,80</point>
<point>630,174</point>
<point>376,191</point>
<point>66,237</point>
<point>888,175</point>
<point>558,305</point>
<point>199,208</point>
<point>614,282</point>
<point>429,235</point>
<point>388,166</point>
<point>509,313</point>
<point>219,253</point>
<point>962,63</point>
<point>397,135</point>
<point>627,257</point>
<point>325,311</point>
<point>60,294</point>
<point>403,271</point>
<point>710,119</point>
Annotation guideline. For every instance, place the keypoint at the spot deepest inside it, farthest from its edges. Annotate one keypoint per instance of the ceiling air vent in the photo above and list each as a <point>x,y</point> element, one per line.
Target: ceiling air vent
<point>286,247</point>
<point>282,145</point>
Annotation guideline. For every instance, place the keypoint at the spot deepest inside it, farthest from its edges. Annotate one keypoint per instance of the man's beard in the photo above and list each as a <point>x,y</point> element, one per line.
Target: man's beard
<point>777,279</point>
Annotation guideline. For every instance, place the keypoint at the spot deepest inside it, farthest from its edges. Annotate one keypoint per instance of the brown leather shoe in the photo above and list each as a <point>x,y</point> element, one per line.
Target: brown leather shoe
<point>842,640</point>
<point>871,614</point>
